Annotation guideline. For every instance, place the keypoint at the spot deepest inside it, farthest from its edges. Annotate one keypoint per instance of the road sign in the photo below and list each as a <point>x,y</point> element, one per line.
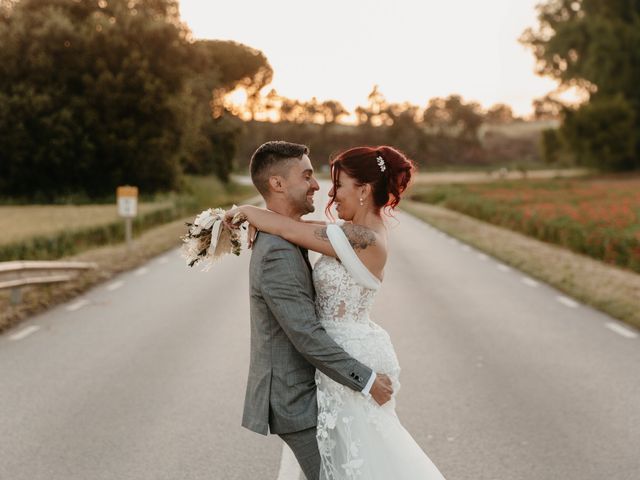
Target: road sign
<point>128,208</point>
<point>127,201</point>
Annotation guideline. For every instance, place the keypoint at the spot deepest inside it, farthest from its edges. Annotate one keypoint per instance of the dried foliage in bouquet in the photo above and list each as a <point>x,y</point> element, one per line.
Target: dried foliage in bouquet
<point>208,238</point>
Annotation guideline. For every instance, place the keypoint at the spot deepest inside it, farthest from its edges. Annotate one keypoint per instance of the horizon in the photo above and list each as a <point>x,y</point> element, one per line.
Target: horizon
<point>489,65</point>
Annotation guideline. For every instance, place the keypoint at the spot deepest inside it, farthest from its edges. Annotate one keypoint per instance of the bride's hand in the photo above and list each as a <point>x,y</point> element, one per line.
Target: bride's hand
<point>234,217</point>
<point>251,234</point>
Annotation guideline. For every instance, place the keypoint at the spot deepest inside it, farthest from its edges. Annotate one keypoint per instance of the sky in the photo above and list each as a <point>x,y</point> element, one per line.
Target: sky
<point>413,50</point>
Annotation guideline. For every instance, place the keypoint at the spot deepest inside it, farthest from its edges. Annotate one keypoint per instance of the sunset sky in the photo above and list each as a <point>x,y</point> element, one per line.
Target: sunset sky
<point>414,50</point>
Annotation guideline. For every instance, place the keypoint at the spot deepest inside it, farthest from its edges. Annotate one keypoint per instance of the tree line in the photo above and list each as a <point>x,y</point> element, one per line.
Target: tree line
<point>98,93</point>
<point>447,131</point>
<point>593,45</point>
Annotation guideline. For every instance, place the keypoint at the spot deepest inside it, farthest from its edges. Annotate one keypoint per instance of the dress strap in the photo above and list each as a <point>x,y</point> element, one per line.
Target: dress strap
<point>350,259</point>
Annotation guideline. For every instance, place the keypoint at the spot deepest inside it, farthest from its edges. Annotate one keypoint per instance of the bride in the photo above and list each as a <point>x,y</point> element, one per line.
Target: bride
<point>356,437</point>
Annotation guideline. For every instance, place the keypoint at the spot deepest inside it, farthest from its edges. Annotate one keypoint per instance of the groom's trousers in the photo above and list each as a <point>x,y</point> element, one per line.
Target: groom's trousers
<point>305,447</point>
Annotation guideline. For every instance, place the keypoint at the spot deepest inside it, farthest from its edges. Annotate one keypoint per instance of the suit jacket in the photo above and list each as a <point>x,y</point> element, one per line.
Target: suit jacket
<point>288,343</point>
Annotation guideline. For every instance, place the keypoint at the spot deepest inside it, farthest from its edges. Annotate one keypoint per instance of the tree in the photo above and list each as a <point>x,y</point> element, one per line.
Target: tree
<point>547,108</point>
<point>602,133</point>
<point>375,112</point>
<point>551,145</point>
<point>453,117</point>
<point>239,66</point>
<point>500,114</point>
<point>85,96</point>
<point>209,136</point>
<point>98,93</point>
<point>594,45</point>
<point>333,111</point>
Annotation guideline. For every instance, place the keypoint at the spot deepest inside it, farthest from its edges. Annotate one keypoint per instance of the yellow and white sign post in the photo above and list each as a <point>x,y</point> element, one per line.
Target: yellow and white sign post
<point>127,207</point>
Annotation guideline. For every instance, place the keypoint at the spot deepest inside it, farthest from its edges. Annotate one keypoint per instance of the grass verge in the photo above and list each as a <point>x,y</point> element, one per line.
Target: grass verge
<point>111,260</point>
<point>609,289</point>
<point>49,232</point>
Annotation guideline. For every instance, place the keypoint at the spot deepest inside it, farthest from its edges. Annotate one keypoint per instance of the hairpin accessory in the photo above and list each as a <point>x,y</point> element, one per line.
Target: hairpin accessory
<point>381,164</point>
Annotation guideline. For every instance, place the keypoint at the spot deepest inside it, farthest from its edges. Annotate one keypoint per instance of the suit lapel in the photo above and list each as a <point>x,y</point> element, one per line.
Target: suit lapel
<point>305,255</point>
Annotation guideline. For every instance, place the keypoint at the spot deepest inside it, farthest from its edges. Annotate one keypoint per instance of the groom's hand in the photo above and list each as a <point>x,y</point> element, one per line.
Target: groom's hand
<point>381,389</point>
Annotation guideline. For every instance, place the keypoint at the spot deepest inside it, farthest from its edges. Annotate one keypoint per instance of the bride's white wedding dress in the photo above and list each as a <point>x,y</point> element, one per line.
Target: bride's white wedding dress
<point>357,438</point>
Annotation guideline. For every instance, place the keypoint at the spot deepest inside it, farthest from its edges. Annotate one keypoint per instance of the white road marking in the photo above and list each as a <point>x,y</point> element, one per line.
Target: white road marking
<point>289,468</point>
<point>115,285</point>
<point>25,332</point>
<point>482,256</point>
<point>529,281</point>
<point>620,330</point>
<point>163,260</point>
<point>503,268</point>
<point>141,271</point>
<point>566,301</point>
<point>78,305</point>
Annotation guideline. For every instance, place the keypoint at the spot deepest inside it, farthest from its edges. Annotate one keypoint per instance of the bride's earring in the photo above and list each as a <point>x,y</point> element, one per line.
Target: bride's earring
<point>361,202</point>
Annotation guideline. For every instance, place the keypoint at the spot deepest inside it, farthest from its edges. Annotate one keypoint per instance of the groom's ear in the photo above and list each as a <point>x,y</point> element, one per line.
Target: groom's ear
<point>276,182</point>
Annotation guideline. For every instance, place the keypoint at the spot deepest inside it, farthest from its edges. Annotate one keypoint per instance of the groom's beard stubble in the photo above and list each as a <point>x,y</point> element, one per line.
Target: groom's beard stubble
<point>302,204</point>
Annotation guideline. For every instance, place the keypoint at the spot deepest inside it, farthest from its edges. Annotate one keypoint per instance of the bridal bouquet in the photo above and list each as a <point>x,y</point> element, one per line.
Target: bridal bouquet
<point>208,238</point>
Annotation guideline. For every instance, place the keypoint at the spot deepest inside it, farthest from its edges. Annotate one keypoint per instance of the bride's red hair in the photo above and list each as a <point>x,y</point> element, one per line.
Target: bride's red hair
<point>362,164</point>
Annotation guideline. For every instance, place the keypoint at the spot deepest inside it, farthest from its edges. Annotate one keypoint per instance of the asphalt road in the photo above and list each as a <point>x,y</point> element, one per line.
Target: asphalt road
<point>143,378</point>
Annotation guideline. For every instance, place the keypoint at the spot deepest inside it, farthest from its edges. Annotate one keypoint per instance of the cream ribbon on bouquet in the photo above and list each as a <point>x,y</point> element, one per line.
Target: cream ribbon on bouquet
<point>208,239</point>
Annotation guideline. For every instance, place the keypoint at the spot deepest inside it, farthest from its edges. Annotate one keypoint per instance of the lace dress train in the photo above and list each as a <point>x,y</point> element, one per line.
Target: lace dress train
<point>357,438</point>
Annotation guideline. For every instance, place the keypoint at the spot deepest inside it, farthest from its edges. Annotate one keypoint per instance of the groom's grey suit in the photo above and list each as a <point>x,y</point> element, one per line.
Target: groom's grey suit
<point>288,343</point>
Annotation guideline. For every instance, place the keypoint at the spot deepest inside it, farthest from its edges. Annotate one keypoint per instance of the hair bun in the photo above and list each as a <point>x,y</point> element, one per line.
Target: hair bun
<point>399,171</point>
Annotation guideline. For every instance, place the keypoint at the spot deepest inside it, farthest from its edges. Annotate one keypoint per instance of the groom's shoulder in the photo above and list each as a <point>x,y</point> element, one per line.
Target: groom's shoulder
<point>268,241</point>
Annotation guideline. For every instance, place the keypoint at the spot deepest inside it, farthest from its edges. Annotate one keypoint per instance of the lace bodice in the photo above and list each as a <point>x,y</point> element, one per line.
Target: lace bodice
<point>339,298</point>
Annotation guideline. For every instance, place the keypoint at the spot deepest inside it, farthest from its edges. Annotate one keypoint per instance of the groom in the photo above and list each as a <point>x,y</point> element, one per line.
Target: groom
<point>288,342</point>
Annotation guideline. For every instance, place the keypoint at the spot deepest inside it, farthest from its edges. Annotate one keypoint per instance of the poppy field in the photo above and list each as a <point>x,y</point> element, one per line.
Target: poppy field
<point>597,216</point>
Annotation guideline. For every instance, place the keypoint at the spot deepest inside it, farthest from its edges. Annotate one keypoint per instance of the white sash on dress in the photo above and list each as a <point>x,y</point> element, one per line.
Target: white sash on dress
<point>347,255</point>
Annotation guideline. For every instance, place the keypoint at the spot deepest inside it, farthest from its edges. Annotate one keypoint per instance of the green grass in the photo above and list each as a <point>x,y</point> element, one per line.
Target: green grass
<point>47,232</point>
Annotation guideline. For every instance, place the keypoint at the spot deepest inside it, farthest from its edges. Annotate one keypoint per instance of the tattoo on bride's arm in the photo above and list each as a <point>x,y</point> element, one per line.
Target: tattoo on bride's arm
<point>321,234</point>
<point>359,237</point>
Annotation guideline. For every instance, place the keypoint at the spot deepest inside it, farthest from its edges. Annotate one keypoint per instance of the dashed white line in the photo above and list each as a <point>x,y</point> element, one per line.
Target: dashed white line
<point>503,268</point>
<point>289,468</point>
<point>76,306</point>
<point>25,332</point>
<point>141,271</point>
<point>529,281</point>
<point>115,285</point>
<point>566,301</point>
<point>620,330</point>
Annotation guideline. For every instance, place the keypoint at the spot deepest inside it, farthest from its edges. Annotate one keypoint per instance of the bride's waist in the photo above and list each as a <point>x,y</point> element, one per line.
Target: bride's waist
<point>367,342</point>
<point>342,325</point>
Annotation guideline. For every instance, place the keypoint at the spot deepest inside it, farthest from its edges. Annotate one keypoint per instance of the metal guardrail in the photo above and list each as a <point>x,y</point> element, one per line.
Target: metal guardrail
<point>24,273</point>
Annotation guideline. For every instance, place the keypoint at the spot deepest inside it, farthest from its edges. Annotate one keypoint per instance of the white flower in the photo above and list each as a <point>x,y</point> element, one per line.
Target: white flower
<point>207,239</point>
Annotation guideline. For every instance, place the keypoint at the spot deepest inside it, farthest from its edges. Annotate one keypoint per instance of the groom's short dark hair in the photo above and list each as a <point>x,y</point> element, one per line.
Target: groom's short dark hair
<point>272,158</point>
